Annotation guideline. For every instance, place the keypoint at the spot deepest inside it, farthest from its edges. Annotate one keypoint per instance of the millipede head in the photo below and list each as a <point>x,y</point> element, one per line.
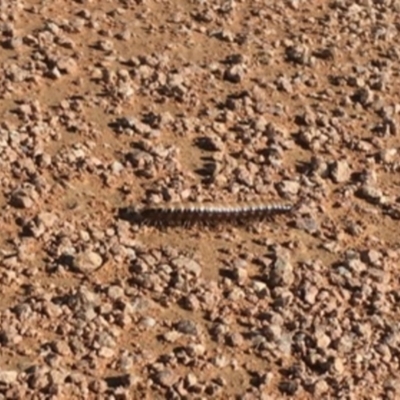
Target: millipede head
<point>131,214</point>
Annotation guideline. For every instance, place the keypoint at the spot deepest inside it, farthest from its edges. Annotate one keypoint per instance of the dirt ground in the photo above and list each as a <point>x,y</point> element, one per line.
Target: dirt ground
<point>142,144</point>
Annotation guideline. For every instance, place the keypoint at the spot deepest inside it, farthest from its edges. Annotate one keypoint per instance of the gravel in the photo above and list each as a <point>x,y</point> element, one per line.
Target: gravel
<point>107,106</point>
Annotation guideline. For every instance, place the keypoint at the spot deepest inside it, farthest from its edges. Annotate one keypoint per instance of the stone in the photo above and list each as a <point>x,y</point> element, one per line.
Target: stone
<point>187,327</point>
<point>8,377</point>
<point>288,187</point>
<point>187,264</point>
<point>234,74</point>
<point>281,273</point>
<point>87,261</point>
<point>20,199</point>
<point>340,171</point>
<point>165,378</point>
<point>67,65</point>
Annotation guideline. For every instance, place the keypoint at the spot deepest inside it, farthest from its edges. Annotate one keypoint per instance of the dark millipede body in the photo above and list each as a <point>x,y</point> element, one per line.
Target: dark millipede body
<point>187,214</point>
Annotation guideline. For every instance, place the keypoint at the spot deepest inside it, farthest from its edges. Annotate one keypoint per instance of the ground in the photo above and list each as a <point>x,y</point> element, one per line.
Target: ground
<point>181,107</point>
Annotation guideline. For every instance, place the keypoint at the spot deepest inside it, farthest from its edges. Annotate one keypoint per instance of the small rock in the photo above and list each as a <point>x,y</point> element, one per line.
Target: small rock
<point>364,96</point>
<point>288,387</point>
<point>165,378</point>
<point>345,344</point>
<point>284,85</point>
<point>353,228</point>
<point>67,65</point>
<point>61,347</point>
<point>281,273</point>
<point>240,274</point>
<point>196,350</point>
<point>371,194</point>
<point>211,142</point>
<point>338,366</point>
<point>8,377</point>
<point>259,287</point>
<point>220,361</point>
<point>392,384</point>
<point>124,35</point>
<point>57,377</point>
<point>299,54</point>
<point>212,390</point>
<point>340,171</point>
<point>191,379</point>
<point>20,199</point>
<point>191,302</point>
<point>234,74</point>
<point>307,224</point>
<point>171,336</point>
<point>48,219</point>
<point>106,352</point>
<point>115,292</point>
<point>234,339</point>
<point>13,43</point>
<point>322,339</point>
<point>319,388</point>
<point>387,156</point>
<point>105,45</point>
<point>119,381</point>
<point>88,261</point>
<point>54,73</point>
<point>187,264</point>
<point>116,167</point>
<point>98,386</point>
<point>272,332</point>
<point>187,327</point>
<point>288,187</point>
<point>147,322</point>
<point>284,344</point>
<point>372,257</point>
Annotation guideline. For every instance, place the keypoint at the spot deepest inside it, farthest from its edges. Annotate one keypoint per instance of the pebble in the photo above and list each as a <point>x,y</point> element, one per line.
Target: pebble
<point>288,387</point>
<point>165,378</point>
<point>171,336</point>
<point>61,347</point>
<point>105,45</point>
<point>288,187</point>
<point>87,261</point>
<point>307,224</point>
<point>115,292</point>
<point>372,257</point>
<point>235,339</point>
<point>388,156</point>
<point>340,171</point>
<point>48,219</point>
<point>106,352</point>
<point>187,265</point>
<point>21,200</point>
<point>281,273</point>
<point>370,193</point>
<point>147,322</point>
<point>240,274</point>
<point>67,65</point>
<point>120,381</point>
<point>8,377</point>
<point>320,387</point>
<point>234,74</point>
<point>187,327</point>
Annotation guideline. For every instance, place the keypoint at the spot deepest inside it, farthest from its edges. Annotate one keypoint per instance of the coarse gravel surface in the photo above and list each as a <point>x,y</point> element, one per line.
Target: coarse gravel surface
<point>109,104</point>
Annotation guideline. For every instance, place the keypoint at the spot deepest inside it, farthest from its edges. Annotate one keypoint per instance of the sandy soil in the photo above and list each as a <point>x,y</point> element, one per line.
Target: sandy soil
<point>180,107</point>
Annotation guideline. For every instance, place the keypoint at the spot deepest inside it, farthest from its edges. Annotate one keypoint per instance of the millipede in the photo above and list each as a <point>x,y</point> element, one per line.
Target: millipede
<point>189,214</point>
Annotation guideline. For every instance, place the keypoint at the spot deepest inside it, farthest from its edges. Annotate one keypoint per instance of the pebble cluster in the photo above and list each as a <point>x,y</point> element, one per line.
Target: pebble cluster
<point>105,104</point>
